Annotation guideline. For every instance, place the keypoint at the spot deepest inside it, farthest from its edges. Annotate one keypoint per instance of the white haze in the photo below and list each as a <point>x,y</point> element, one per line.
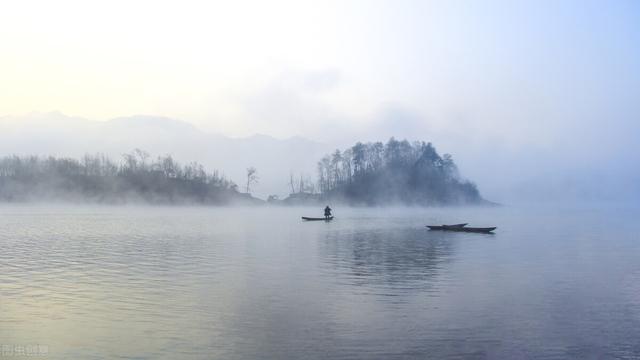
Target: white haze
<point>503,173</point>
<point>536,100</point>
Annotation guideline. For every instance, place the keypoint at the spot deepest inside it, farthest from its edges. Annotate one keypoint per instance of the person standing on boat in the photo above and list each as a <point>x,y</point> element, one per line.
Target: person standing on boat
<point>327,212</point>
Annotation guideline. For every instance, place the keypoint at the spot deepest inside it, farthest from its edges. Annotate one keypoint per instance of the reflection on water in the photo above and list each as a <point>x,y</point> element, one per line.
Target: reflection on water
<point>202,283</point>
<point>400,260</point>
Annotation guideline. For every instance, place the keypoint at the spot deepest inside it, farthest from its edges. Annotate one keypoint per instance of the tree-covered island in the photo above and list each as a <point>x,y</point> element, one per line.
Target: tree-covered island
<point>366,174</point>
<point>97,178</point>
<point>398,172</point>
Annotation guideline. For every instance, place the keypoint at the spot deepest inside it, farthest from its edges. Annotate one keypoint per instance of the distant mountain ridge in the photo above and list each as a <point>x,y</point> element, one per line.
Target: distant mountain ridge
<point>504,173</point>
<point>56,134</point>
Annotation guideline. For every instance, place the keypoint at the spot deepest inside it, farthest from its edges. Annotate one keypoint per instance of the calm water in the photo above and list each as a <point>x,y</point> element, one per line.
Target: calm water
<point>199,283</point>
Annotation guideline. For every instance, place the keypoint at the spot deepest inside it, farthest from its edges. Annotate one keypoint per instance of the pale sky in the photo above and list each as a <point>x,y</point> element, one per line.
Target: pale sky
<point>521,76</point>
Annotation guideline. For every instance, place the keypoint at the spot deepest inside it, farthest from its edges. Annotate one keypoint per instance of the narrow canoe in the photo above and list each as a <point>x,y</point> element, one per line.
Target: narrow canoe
<point>317,219</point>
<point>463,229</point>
<point>443,227</point>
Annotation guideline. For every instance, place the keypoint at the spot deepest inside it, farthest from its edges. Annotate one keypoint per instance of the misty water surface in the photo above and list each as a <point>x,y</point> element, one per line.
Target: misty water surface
<point>222,283</point>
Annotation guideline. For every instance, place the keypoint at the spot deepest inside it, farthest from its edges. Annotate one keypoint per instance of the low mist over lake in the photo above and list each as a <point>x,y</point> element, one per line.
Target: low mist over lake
<point>296,179</point>
<point>238,283</point>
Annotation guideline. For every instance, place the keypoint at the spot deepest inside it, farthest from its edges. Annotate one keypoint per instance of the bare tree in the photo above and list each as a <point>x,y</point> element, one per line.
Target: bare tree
<point>252,177</point>
<point>292,183</point>
<point>142,157</point>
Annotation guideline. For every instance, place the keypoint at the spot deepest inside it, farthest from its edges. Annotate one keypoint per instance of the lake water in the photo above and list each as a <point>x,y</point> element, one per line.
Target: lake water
<point>100,282</point>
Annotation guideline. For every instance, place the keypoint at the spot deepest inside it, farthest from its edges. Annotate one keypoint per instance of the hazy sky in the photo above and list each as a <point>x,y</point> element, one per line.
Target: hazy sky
<point>515,76</point>
<point>284,66</point>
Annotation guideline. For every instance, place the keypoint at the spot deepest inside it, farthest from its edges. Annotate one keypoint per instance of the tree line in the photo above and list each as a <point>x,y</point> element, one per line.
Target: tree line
<point>399,171</point>
<point>97,177</point>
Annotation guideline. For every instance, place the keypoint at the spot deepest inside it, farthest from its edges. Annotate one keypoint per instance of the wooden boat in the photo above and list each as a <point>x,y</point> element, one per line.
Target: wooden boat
<point>317,219</point>
<point>462,229</point>
<point>442,227</point>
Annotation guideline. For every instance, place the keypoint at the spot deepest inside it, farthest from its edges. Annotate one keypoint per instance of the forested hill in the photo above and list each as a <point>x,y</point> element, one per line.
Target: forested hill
<point>395,172</point>
<point>136,178</point>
